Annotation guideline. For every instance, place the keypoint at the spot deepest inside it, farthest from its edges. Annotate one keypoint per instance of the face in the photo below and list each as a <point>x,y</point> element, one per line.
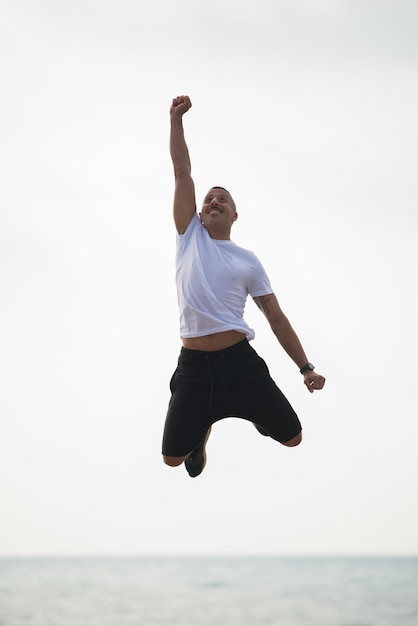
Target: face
<point>218,211</point>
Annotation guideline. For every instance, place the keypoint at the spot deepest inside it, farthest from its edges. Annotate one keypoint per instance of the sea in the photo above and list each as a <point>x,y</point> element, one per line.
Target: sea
<point>209,591</point>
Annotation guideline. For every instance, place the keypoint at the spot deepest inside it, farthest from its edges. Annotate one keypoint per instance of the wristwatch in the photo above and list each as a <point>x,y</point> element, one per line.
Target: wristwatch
<point>307,368</point>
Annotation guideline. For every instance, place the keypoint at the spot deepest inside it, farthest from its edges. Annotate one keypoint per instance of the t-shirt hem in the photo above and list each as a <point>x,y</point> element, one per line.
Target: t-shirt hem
<point>257,294</point>
<point>248,333</point>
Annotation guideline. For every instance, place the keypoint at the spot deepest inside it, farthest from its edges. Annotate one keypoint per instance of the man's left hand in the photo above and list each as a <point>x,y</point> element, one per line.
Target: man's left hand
<point>313,381</point>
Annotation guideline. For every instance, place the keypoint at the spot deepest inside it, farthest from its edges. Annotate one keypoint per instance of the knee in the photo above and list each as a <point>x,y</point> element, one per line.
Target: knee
<point>174,461</point>
<point>295,441</point>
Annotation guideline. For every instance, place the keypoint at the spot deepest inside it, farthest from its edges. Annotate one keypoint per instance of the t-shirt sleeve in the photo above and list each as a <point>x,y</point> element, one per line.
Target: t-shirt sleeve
<point>184,238</point>
<point>259,284</point>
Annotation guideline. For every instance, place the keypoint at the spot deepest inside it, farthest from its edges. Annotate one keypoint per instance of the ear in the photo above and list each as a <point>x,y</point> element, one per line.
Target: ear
<point>235,217</point>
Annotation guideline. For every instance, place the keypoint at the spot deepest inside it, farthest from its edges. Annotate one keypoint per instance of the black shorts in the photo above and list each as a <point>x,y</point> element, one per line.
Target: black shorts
<point>209,386</point>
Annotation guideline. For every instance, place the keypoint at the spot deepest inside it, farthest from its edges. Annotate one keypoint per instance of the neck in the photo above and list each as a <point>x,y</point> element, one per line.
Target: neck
<point>219,234</point>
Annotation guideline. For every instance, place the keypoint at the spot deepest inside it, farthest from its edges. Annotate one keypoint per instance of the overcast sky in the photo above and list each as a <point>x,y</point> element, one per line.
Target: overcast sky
<point>306,112</point>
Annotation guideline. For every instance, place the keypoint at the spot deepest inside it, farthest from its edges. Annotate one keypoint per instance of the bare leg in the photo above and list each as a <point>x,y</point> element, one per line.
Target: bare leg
<point>293,442</point>
<point>174,461</point>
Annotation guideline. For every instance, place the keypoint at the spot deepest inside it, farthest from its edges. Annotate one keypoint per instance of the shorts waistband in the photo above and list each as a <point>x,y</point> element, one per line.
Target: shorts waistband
<point>198,355</point>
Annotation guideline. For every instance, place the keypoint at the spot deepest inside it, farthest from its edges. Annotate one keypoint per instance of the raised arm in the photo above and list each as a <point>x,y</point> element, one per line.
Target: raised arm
<point>184,194</point>
<point>288,339</point>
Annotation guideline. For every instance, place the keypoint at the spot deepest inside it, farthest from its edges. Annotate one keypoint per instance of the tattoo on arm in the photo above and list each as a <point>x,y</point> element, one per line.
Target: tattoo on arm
<point>263,303</point>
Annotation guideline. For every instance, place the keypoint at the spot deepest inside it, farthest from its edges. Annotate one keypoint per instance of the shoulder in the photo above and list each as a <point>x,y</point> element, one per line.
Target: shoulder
<point>191,227</point>
<point>246,255</point>
<point>192,231</point>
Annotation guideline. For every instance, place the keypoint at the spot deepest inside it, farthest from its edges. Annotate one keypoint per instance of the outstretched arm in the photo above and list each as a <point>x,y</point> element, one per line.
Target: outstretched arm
<point>184,193</point>
<point>287,338</point>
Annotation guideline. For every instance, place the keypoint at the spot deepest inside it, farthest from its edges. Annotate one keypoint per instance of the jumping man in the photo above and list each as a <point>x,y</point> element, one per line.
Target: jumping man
<point>219,374</point>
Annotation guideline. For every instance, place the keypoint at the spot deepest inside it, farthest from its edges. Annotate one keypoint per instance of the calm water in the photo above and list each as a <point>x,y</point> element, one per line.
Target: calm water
<point>207,591</point>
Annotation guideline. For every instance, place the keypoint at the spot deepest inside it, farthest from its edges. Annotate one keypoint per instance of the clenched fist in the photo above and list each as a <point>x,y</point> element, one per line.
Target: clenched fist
<point>180,105</point>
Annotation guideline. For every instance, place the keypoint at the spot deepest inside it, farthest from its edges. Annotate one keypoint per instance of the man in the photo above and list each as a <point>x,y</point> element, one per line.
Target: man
<point>219,374</point>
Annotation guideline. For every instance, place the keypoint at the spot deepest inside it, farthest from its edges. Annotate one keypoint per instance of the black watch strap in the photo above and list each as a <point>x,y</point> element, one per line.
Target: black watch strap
<point>307,368</point>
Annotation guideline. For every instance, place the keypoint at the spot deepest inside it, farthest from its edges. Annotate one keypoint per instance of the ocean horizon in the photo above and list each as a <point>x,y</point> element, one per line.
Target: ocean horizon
<point>235,590</point>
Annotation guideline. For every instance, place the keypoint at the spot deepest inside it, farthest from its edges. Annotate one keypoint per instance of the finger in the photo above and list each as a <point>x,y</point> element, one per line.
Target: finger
<point>310,385</point>
<point>320,382</point>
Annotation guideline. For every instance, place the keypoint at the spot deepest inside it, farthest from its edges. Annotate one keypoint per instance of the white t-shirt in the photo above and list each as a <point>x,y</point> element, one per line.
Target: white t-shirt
<point>213,278</point>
